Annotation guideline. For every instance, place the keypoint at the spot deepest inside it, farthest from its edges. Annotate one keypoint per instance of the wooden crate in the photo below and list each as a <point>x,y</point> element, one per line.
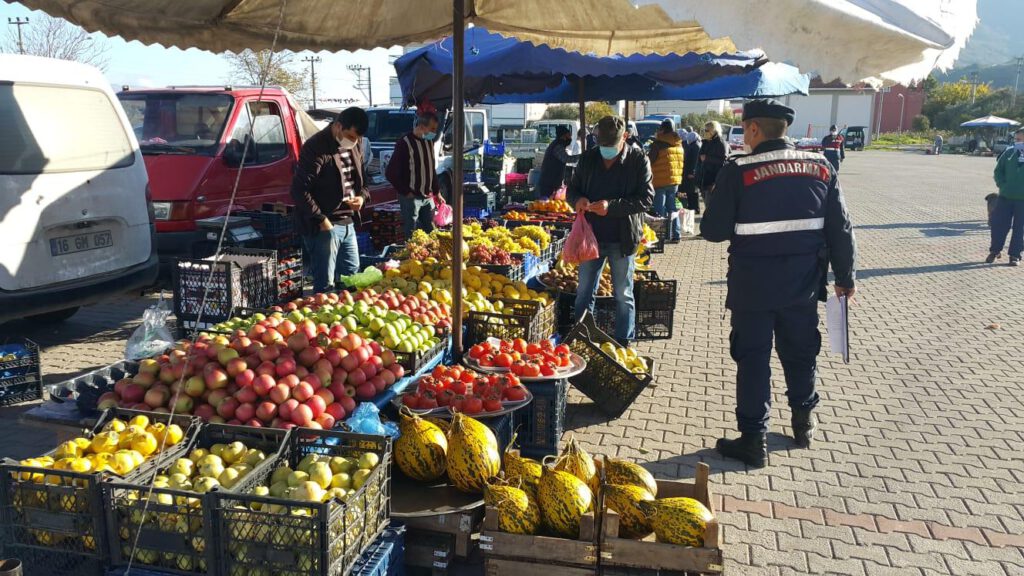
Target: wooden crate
<point>517,554</point>
<point>461,526</point>
<point>671,558</point>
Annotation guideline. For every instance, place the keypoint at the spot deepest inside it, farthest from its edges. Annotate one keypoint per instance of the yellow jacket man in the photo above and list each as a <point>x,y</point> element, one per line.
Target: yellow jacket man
<point>666,155</point>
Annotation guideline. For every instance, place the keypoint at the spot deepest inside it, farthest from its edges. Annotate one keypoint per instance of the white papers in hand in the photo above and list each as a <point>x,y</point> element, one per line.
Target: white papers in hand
<point>838,326</point>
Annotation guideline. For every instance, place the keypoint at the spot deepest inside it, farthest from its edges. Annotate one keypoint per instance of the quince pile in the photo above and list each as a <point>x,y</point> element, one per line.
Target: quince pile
<point>433,280</point>
<point>627,357</point>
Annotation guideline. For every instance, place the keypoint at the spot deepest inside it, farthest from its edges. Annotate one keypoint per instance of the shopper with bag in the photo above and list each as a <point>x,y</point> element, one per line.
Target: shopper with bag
<point>612,188</point>
<point>413,173</point>
<point>666,155</point>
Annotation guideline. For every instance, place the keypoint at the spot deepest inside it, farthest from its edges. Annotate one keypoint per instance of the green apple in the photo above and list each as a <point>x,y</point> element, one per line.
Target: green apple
<point>295,316</point>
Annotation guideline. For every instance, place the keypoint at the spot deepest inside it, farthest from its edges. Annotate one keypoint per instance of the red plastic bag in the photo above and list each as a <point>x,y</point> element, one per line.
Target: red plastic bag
<point>580,245</point>
<point>443,215</point>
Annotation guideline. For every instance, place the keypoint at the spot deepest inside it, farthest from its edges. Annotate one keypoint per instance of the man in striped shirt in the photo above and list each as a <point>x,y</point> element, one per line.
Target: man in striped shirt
<point>413,173</point>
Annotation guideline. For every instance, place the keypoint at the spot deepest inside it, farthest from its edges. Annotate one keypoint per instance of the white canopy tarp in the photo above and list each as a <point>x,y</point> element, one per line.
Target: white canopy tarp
<point>874,40</point>
<point>990,121</point>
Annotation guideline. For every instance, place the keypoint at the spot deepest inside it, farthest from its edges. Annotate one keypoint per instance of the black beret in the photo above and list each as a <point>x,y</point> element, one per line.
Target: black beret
<point>767,108</point>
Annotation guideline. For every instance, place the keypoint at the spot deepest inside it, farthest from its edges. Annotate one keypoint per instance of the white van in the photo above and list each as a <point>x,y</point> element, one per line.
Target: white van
<point>75,217</point>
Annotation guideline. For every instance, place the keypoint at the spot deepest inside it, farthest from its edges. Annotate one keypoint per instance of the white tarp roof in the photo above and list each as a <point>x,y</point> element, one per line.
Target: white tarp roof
<point>892,40</point>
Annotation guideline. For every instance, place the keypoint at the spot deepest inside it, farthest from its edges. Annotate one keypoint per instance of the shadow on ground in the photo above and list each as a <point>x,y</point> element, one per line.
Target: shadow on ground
<point>684,466</point>
<point>954,267</point>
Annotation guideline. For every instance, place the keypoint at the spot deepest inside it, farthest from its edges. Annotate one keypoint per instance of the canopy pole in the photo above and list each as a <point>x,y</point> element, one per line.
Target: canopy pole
<point>458,144</point>
<point>583,114</point>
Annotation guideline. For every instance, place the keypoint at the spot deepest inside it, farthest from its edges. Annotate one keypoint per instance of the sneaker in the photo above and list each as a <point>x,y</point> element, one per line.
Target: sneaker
<point>993,256</point>
<point>1014,262</point>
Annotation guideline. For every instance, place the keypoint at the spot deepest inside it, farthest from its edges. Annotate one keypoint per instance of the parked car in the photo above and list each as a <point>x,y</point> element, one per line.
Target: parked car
<point>192,139</point>
<point>809,144</point>
<point>735,137</point>
<point>856,137</point>
<point>75,217</point>
<point>647,130</point>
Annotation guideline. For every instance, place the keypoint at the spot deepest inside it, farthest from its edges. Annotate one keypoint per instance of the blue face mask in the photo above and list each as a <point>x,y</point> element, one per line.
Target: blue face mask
<point>609,152</point>
<point>429,136</point>
<point>1018,146</point>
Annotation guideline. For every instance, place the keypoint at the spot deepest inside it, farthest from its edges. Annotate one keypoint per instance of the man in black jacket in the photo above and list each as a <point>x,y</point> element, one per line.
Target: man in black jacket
<point>612,185</point>
<point>552,170</point>
<point>329,189</point>
<point>783,213</point>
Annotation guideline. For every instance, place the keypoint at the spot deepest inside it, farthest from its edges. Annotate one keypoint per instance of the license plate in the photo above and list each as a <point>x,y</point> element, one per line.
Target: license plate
<point>81,243</point>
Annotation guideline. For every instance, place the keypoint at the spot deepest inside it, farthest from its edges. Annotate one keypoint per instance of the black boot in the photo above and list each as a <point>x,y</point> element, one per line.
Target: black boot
<point>804,424</point>
<point>750,448</point>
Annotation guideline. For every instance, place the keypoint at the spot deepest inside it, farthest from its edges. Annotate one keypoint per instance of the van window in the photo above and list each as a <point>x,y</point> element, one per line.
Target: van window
<point>177,123</point>
<point>264,120</point>
<point>476,127</point>
<point>60,129</point>
<point>388,125</point>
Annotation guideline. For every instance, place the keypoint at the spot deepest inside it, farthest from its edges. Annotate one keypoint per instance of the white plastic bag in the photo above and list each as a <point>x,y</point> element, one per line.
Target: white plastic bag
<point>688,221</point>
<point>153,336</point>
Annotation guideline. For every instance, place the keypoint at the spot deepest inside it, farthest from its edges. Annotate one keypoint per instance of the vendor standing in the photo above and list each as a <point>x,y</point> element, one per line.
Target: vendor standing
<point>552,170</point>
<point>329,189</point>
<point>412,170</point>
<point>612,185</point>
<point>783,213</point>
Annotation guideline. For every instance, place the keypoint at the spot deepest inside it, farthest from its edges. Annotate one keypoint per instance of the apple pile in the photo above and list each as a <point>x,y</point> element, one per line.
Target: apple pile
<point>463,390</point>
<point>278,374</point>
<point>421,310</point>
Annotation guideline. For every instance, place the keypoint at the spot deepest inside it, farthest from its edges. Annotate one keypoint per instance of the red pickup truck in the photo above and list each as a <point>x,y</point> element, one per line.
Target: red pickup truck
<point>192,139</point>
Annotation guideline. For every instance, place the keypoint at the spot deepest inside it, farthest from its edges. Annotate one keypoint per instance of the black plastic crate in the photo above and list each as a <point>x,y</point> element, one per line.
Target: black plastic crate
<point>278,535</point>
<point>62,510</point>
<point>654,303</point>
<point>54,562</point>
<point>515,272</point>
<point>480,199</point>
<point>177,532</point>
<point>413,362</point>
<point>238,278</point>
<point>21,378</point>
<point>527,319</point>
<point>85,390</point>
<point>540,424</point>
<point>609,384</point>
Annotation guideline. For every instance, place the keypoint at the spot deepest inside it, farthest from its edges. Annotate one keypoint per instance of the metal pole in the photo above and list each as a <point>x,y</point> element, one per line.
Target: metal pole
<point>1016,82</point>
<point>19,22</point>
<point>881,104</point>
<point>312,74</point>
<point>458,143</point>
<point>583,114</point>
<point>369,81</point>
<point>903,102</point>
<point>974,86</point>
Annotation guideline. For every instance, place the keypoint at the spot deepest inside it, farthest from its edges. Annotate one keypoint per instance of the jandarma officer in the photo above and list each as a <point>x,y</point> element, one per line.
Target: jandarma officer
<point>783,212</point>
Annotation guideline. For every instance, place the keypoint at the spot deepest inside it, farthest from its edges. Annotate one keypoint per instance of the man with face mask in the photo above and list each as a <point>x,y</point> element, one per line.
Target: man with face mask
<point>412,171</point>
<point>552,169</point>
<point>329,188</point>
<point>833,146</point>
<point>783,213</point>
<point>612,186</point>
<point>1008,214</point>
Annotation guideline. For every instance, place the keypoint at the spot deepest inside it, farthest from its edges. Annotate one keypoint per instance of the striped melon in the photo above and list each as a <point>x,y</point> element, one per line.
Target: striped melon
<point>677,520</point>
<point>626,499</point>
<point>563,499</point>
<point>575,460</point>
<point>472,454</point>
<point>420,451</point>
<point>520,471</point>
<point>628,473</point>
<point>516,513</point>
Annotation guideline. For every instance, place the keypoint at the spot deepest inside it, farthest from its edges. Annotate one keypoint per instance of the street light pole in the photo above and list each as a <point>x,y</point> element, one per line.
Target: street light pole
<point>19,22</point>
<point>903,102</point>
<point>1016,81</point>
<point>313,60</point>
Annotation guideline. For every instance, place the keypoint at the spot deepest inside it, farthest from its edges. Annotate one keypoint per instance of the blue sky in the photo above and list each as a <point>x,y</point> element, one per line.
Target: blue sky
<point>139,65</point>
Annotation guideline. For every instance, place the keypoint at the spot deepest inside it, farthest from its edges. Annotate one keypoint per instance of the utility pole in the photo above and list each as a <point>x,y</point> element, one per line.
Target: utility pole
<point>881,103</point>
<point>364,85</point>
<point>1016,82</point>
<point>313,61</point>
<point>974,86</point>
<point>19,22</point>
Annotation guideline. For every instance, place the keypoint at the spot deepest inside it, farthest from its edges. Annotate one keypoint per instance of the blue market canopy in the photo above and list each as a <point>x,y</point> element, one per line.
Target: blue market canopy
<point>990,121</point>
<point>500,69</point>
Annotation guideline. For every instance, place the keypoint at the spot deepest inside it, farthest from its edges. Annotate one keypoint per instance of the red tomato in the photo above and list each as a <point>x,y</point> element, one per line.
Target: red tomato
<point>492,404</point>
<point>473,405</point>
<point>531,370</point>
<point>519,345</point>
<point>561,349</point>
<point>468,376</point>
<point>532,348</point>
<point>547,369</point>
<point>411,400</point>
<point>439,371</point>
<point>476,351</point>
<point>515,393</point>
<point>455,372</point>
<point>457,402</point>
<point>445,398</point>
<point>427,402</point>
<point>547,344</point>
<point>563,361</point>
<point>487,360</point>
<point>503,360</point>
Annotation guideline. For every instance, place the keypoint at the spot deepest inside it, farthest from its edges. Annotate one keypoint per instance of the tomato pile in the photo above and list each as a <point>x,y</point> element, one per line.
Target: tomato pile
<point>464,390</point>
<point>529,360</point>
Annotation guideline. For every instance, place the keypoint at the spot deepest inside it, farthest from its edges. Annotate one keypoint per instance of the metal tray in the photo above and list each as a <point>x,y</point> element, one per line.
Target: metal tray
<point>579,364</point>
<point>507,407</point>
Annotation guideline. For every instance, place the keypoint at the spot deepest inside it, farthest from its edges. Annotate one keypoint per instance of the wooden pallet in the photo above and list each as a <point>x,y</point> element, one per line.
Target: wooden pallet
<point>651,555</point>
<point>517,554</point>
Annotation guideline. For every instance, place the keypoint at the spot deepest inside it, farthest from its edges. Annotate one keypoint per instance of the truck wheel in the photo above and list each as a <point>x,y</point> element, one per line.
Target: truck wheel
<point>55,317</point>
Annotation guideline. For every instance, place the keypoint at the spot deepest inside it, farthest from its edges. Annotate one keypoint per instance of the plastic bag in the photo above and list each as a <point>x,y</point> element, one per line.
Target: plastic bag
<point>559,194</point>
<point>152,337</point>
<point>688,221</point>
<point>443,215</point>
<point>580,245</point>
<point>365,419</point>
<point>364,279</point>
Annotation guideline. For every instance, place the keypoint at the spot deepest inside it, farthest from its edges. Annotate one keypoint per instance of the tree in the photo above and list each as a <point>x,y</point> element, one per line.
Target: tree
<point>921,123</point>
<point>594,112</point>
<point>277,68</point>
<point>598,110</point>
<point>57,38</point>
<point>950,95</point>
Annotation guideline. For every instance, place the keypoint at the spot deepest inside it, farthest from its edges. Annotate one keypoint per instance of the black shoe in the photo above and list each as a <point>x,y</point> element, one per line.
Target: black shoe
<point>1014,262</point>
<point>993,256</point>
<point>749,448</point>
<point>804,424</point>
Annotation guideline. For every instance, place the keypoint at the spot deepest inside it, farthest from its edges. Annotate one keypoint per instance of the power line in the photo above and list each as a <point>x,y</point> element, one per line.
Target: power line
<point>363,83</point>
<point>19,22</point>
<point>313,61</point>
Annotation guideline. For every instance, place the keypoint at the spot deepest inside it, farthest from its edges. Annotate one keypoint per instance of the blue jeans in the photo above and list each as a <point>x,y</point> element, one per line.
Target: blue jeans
<point>332,254</point>
<point>622,287</point>
<point>417,214</point>
<point>1008,217</point>
<point>665,206</point>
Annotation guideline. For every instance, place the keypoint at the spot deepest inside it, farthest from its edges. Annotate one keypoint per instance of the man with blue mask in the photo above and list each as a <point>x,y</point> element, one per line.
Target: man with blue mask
<point>612,186</point>
<point>412,171</point>
<point>1008,213</point>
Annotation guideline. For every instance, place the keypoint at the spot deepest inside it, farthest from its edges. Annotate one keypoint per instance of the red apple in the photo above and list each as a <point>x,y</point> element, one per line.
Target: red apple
<point>267,368</point>
<point>216,378</point>
<point>216,398</point>
<point>226,355</point>
<point>349,362</point>
<point>166,374</point>
<point>271,336</point>
<point>236,366</point>
<point>245,412</point>
<point>263,384</point>
<point>279,393</point>
<point>285,366</point>
<point>323,365</point>
<point>301,372</point>
<point>326,394</point>
<point>322,376</point>
<point>254,423</point>
<point>144,379</point>
<point>356,378</point>
<point>325,420</point>
<point>120,384</point>
<point>310,356</point>
<point>158,395</point>
<point>257,331</point>
<point>335,409</point>
<point>107,400</point>
<point>286,327</point>
<point>285,409</point>
<point>337,388</point>
<point>184,405</point>
<point>288,425</point>
<point>302,415</point>
<point>365,391</point>
<point>266,411</point>
<point>269,353</point>
<point>291,381</point>
<point>302,392</point>
<point>387,357</point>
<point>348,402</point>
<point>133,393</point>
<point>333,356</point>
<point>314,381</point>
<point>307,327</point>
<point>378,383</point>
<point>363,354</point>
<point>369,369</point>
<point>298,341</point>
<point>397,370</point>
<point>317,404</point>
<point>245,378</point>
<point>375,348</point>
<point>228,408</point>
<point>388,376</point>
<point>246,396</point>
<point>141,406</point>
<point>216,419</point>
<point>351,342</point>
<point>234,422</point>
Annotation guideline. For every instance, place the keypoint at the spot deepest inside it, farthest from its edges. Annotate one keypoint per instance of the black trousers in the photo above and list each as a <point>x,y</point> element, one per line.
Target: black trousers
<point>689,187</point>
<point>797,341</point>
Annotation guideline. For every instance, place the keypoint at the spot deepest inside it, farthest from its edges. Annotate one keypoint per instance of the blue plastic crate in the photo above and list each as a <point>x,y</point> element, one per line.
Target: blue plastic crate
<point>494,149</point>
<point>472,212</point>
<point>385,557</point>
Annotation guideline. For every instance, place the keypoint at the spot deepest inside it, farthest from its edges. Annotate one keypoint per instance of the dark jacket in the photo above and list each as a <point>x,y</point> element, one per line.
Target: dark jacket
<point>412,169</point>
<point>317,186</point>
<point>783,212</point>
<point>627,206</point>
<point>552,170</point>
<point>715,154</point>
<point>691,155</point>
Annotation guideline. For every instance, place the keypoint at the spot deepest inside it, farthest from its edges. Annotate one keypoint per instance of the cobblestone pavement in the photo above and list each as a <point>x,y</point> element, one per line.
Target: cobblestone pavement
<point>920,466</point>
